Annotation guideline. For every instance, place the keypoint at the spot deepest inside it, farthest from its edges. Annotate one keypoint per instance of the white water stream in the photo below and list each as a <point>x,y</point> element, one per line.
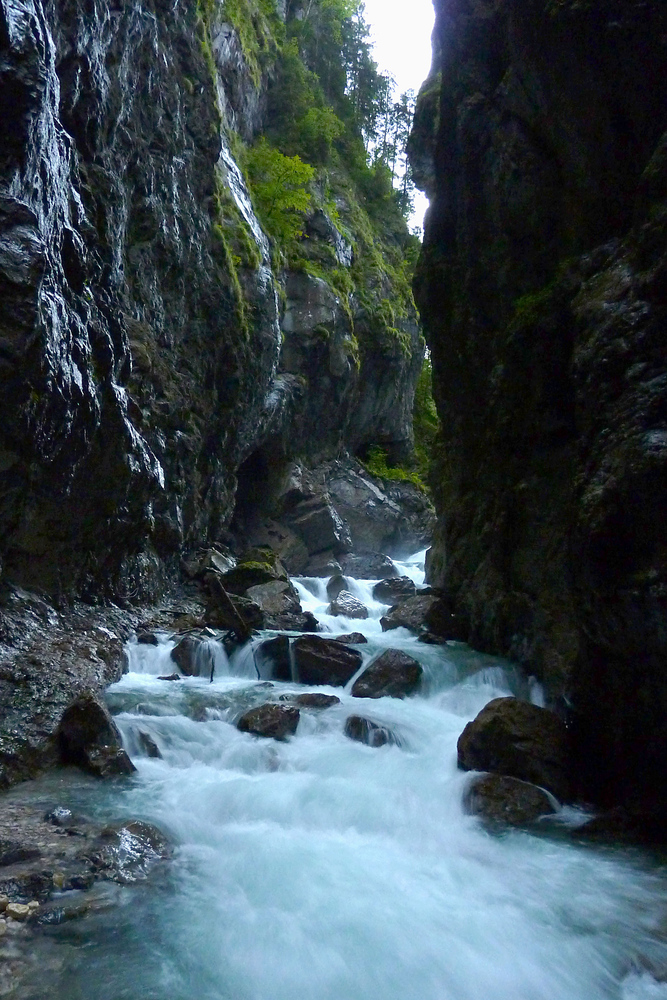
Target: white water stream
<point>323,869</point>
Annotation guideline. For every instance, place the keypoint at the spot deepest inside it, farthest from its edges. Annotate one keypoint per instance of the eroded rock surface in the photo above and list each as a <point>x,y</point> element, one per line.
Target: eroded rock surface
<point>324,661</point>
<point>502,799</point>
<point>521,740</point>
<point>272,721</point>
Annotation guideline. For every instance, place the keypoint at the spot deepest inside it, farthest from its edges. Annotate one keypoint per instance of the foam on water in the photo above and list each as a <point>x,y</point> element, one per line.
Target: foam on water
<point>323,869</point>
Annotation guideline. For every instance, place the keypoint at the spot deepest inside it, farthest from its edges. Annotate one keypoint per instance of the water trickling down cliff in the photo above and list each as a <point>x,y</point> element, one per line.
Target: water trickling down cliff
<point>150,343</point>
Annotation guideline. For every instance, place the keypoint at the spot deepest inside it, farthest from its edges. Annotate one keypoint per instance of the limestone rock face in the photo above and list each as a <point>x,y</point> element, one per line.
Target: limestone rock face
<point>520,740</point>
<point>541,287</point>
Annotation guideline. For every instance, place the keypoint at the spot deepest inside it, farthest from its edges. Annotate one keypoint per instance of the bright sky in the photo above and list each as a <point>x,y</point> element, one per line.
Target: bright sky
<point>402,48</point>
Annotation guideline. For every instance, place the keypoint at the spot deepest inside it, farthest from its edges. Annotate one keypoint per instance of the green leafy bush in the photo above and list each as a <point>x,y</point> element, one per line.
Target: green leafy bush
<point>279,188</point>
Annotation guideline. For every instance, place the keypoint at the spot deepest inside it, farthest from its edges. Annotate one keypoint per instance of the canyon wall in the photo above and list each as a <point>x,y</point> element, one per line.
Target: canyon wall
<point>542,287</point>
<point>151,339</point>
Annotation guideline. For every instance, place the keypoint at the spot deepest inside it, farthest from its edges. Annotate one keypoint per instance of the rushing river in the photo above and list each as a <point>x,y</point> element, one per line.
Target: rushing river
<point>323,869</point>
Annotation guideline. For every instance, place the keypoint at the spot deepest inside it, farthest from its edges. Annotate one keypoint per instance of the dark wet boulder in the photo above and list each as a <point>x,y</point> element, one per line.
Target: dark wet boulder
<point>169,677</point>
<point>272,659</point>
<point>636,823</point>
<point>315,699</point>
<point>368,566</point>
<point>229,611</point>
<point>126,852</point>
<point>335,586</point>
<point>354,638</point>
<point>371,733</point>
<point>347,605</point>
<point>147,638</point>
<point>393,591</point>
<point>393,674</point>
<point>501,799</point>
<point>409,614</point>
<point>441,620</point>
<point>292,622</point>
<point>149,745</point>
<point>324,661</point>
<point>272,721</point>
<point>88,736</point>
<point>520,740</point>
<point>184,655</point>
<point>277,597</point>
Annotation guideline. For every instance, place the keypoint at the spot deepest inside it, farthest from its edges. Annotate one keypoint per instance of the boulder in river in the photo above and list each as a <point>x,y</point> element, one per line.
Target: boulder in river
<point>277,597</point>
<point>371,733</point>
<point>271,720</point>
<point>518,739</point>
<point>272,657</point>
<point>368,566</point>
<point>393,674</point>
<point>88,736</point>
<point>354,638</point>
<point>502,799</point>
<point>315,699</point>
<point>393,591</point>
<point>324,661</point>
<point>229,611</point>
<point>409,614</point>
<point>126,852</point>
<point>336,585</point>
<point>347,605</point>
<point>184,655</point>
<point>290,621</point>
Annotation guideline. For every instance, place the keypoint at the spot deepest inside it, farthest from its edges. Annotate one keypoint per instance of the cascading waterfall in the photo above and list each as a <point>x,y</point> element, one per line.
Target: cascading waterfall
<point>324,869</point>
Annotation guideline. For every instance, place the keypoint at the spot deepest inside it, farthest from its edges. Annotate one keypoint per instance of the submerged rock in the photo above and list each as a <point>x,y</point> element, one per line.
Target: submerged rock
<point>520,740</point>
<point>89,737</point>
<point>324,661</point>
<point>502,799</point>
<point>149,745</point>
<point>393,591</point>
<point>347,605</point>
<point>410,614</point>
<point>272,721</point>
<point>371,733</point>
<point>126,852</point>
<point>393,674</point>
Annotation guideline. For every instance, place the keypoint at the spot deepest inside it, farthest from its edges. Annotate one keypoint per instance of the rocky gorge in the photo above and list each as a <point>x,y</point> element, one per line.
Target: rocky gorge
<point>258,699</point>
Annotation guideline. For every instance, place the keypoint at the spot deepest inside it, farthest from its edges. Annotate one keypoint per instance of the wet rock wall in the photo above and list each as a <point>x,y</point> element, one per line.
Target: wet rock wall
<point>541,286</point>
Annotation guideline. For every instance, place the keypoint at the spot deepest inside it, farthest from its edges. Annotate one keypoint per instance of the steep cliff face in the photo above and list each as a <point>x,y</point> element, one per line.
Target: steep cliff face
<point>140,315</point>
<point>542,287</point>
